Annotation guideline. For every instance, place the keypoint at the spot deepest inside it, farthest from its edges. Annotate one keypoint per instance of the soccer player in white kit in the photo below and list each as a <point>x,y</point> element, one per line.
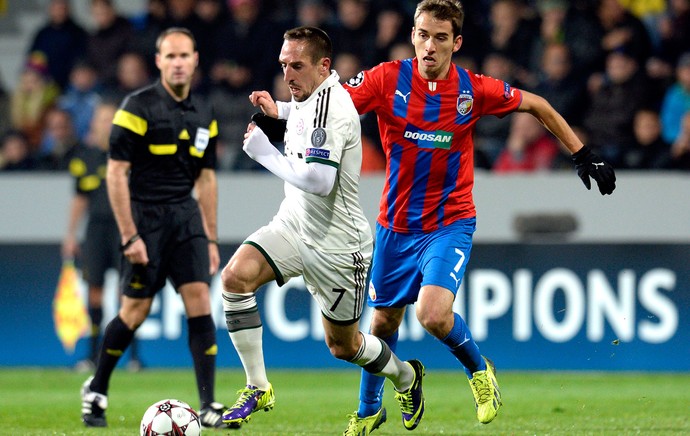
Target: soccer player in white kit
<point>320,231</point>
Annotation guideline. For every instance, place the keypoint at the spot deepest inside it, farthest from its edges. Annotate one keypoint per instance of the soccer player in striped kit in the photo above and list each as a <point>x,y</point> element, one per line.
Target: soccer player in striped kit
<point>427,109</point>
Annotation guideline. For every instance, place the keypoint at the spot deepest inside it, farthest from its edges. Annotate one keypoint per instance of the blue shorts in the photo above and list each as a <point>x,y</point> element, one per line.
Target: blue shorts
<point>404,262</point>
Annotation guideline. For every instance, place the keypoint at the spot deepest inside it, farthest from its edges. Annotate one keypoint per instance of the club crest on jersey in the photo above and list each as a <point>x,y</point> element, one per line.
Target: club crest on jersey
<point>464,105</point>
<point>372,291</point>
<point>357,80</point>
<point>300,126</point>
<point>318,137</point>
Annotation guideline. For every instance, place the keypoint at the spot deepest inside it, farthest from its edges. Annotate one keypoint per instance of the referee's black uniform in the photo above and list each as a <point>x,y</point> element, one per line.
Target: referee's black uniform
<point>167,143</point>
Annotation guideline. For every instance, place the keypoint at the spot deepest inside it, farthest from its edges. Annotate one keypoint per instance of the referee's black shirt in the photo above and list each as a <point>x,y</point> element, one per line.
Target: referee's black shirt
<point>167,142</point>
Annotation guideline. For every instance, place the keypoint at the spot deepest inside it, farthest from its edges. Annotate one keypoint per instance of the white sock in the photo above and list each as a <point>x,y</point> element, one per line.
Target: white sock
<point>249,346</point>
<point>246,332</point>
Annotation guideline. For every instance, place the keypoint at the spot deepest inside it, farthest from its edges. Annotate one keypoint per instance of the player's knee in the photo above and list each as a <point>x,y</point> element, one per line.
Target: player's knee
<point>239,279</point>
<point>133,316</point>
<point>384,330</point>
<point>232,280</point>
<point>384,324</point>
<point>437,323</point>
<point>342,351</point>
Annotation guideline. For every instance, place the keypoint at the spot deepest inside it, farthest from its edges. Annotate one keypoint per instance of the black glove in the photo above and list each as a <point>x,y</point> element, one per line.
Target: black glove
<point>272,127</point>
<point>588,165</point>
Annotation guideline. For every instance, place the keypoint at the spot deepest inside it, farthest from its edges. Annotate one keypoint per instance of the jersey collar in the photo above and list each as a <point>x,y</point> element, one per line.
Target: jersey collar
<point>170,102</point>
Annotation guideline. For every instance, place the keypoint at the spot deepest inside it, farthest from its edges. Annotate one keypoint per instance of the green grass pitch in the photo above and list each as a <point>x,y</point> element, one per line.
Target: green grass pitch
<point>46,402</point>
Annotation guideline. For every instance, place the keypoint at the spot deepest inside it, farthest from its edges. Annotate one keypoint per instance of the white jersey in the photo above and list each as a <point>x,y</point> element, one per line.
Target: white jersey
<point>325,128</point>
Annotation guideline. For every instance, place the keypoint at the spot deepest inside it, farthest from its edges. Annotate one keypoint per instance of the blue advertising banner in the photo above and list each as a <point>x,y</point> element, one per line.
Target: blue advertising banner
<point>529,306</point>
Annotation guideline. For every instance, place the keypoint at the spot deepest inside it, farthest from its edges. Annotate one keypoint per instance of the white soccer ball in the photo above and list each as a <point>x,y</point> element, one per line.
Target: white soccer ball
<point>170,418</point>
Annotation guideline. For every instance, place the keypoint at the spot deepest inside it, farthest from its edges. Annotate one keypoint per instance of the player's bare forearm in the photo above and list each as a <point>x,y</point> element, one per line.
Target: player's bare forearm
<point>78,207</point>
<point>551,119</point>
<point>118,194</point>
<point>207,192</point>
<point>76,213</point>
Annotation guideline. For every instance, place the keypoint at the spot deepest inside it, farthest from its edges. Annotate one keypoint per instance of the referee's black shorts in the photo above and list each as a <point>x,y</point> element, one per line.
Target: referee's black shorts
<point>177,248</point>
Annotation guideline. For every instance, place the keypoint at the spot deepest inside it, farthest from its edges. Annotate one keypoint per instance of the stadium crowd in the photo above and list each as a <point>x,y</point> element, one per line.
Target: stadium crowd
<point>617,70</point>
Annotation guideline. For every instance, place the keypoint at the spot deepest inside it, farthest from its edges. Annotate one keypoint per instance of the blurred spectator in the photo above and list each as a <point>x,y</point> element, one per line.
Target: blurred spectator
<point>82,97</point>
<point>242,43</point>
<point>477,25</point>
<point>400,51</point>
<point>154,15</point>
<point>680,150</point>
<point>111,37</point>
<point>530,147</point>
<point>15,153</point>
<point>280,90</point>
<point>676,101</point>
<point>238,71</point>
<point>460,60</point>
<point>392,27</point>
<point>564,24</point>
<point>147,26</point>
<point>622,30</point>
<point>5,120</point>
<point>212,14</point>
<point>347,65</point>
<point>650,12</point>
<point>62,41</point>
<point>181,13</point>
<point>355,31</point>
<point>314,13</point>
<point>511,34</point>
<point>614,99</point>
<point>132,74</point>
<point>559,85</point>
<point>232,157</point>
<point>492,132</point>
<point>59,141</point>
<point>35,94</point>
<point>650,151</point>
<point>674,30</point>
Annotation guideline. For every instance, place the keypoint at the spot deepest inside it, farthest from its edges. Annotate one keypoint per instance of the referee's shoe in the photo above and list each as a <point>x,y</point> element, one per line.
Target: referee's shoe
<point>93,406</point>
<point>211,416</point>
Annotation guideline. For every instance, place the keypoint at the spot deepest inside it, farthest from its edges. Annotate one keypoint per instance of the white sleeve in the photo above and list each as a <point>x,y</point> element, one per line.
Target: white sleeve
<point>314,178</point>
<point>283,109</point>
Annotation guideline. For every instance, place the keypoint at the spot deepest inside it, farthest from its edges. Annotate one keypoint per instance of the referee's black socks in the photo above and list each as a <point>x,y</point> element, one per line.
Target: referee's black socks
<point>202,344</point>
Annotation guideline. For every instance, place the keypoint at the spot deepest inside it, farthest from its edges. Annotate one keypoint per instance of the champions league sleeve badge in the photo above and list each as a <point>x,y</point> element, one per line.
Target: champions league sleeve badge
<point>318,137</point>
<point>356,80</point>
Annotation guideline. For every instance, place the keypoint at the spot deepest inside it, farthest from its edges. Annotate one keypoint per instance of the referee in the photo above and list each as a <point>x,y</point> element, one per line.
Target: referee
<point>162,146</point>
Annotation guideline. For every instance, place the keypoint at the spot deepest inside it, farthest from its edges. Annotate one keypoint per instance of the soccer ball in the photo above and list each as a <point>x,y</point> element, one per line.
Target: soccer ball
<point>170,418</point>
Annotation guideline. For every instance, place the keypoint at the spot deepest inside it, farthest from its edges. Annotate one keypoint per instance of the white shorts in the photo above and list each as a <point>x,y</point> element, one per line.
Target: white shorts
<point>337,281</point>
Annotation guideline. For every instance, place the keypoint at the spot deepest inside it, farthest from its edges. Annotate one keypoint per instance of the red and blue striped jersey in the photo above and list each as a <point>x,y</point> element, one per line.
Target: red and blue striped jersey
<point>427,129</point>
